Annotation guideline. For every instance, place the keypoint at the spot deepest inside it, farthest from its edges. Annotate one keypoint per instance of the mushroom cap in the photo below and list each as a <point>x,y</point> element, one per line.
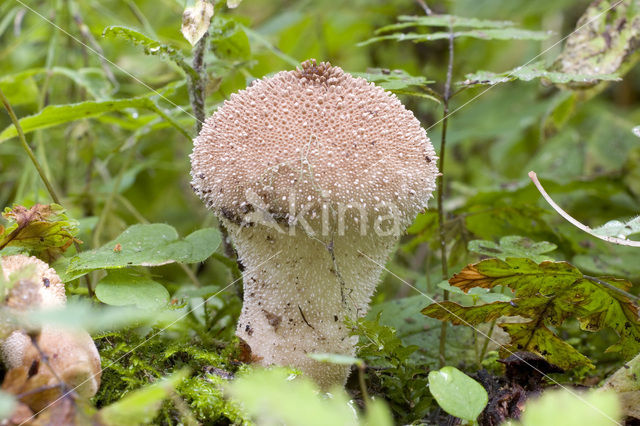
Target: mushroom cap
<point>315,136</point>
<point>49,287</point>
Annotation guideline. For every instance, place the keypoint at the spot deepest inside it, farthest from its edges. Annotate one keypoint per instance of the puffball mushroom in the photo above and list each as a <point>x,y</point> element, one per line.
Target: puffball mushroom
<point>315,174</point>
<point>71,354</point>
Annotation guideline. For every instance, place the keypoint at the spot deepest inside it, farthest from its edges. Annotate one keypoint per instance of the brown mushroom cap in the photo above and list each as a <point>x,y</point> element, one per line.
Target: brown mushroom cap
<point>319,135</point>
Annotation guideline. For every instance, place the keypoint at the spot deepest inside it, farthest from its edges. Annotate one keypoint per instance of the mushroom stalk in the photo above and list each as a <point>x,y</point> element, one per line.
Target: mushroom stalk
<point>307,170</point>
<point>296,302</point>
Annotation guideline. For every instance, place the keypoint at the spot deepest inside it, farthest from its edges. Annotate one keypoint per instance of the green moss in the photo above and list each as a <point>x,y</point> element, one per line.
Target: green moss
<point>134,358</point>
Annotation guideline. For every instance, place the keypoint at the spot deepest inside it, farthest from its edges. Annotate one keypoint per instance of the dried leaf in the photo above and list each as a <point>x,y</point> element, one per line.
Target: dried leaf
<point>196,21</point>
<point>43,230</point>
<point>604,40</point>
<point>546,294</point>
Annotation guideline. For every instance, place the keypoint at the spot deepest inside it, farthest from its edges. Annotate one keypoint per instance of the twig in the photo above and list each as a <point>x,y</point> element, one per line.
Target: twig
<point>197,87</point>
<point>575,222</point>
<point>443,238</point>
<point>424,7</point>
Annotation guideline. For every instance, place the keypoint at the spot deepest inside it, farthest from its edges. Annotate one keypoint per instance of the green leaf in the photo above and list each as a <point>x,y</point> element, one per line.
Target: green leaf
<point>124,287</point>
<point>513,246</point>
<point>483,34</point>
<point>20,88</point>
<point>76,315</point>
<point>228,39</point>
<point>442,21</point>
<point>141,406</point>
<point>572,408</point>
<point>457,393</point>
<point>618,229</point>
<point>147,245</point>
<point>607,38</point>
<point>7,404</point>
<point>377,414</point>
<point>43,230</point>
<point>92,79</point>
<point>54,115</point>
<point>151,46</point>
<point>392,79</point>
<point>414,330</point>
<point>336,359</point>
<point>533,71</point>
<point>274,396</point>
<point>546,294</point>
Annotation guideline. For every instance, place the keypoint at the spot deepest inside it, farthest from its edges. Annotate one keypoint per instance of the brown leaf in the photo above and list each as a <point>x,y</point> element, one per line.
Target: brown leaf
<point>469,278</point>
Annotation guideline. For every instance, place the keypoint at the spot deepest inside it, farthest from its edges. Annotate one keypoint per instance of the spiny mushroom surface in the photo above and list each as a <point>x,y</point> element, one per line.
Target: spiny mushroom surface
<point>71,354</point>
<point>315,174</point>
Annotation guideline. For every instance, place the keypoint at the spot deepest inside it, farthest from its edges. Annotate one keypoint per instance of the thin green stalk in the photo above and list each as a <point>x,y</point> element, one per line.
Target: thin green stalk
<point>27,148</point>
<point>44,96</point>
<point>363,385</point>
<point>485,345</point>
<point>443,238</point>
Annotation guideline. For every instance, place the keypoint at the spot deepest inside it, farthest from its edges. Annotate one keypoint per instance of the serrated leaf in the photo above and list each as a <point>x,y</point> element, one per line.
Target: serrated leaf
<point>392,79</point>
<point>147,245</point>
<point>442,21</point>
<point>483,34</point>
<point>513,246</point>
<point>545,293</point>
<point>533,71</point>
<point>618,229</point>
<point>125,287</point>
<point>542,341</point>
<point>43,230</point>
<point>196,20</point>
<point>457,393</point>
<point>151,46</point>
<point>609,33</point>
<point>141,406</point>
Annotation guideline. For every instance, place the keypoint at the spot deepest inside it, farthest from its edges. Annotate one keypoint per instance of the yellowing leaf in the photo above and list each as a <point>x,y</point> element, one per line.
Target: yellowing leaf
<point>196,21</point>
<point>43,230</point>
<point>546,295</point>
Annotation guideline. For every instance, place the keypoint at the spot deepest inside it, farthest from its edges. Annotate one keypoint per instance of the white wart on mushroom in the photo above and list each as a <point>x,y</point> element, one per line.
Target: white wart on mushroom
<point>315,173</point>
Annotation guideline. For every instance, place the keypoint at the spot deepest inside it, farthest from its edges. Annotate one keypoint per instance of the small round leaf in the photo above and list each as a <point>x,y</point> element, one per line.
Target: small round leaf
<point>457,393</point>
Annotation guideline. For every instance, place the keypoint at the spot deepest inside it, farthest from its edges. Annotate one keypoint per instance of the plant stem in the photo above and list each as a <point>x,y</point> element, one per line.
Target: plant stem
<point>363,385</point>
<point>198,88</point>
<point>27,148</point>
<point>197,95</point>
<point>443,238</point>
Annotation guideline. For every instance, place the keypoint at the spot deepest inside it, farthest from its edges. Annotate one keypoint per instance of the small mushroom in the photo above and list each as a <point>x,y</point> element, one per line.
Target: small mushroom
<point>71,354</point>
<point>315,174</point>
